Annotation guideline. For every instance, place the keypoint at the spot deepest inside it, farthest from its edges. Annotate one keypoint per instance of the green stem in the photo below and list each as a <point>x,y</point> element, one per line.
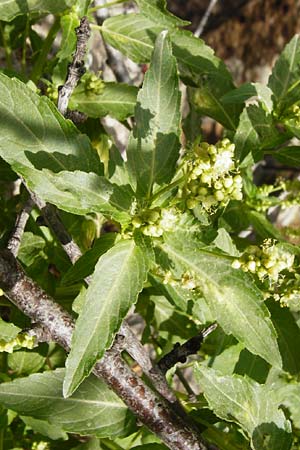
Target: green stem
<point>41,60</point>
<point>7,47</point>
<point>23,60</point>
<point>168,188</point>
<point>106,5</point>
<point>1,439</point>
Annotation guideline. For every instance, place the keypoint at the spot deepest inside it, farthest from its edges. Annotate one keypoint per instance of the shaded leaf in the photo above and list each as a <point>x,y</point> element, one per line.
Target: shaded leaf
<point>252,406</point>
<point>9,9</point>
<point>289,156</point>
<point>80,192</point>
<point>285,78</point>
<point>154,145</point>
<point>35,134</point>
<point>133,34</point>
<point>288,337</point>
<point>248,90</point>
<point>25,361</point>
<point>68,23</point>
<point>117,280</point>
<point>117,99</point>
<point>31,248</point>
<point>85,265</point>
<point>156,10</point>
<point>256,131</point>
<point>93,409</point>
<point>53,431</point>
<point>231,295</point>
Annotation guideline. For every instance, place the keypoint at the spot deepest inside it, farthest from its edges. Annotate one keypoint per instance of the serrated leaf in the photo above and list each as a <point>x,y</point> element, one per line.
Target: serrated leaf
<point>80,192</point>
<point>248,90</point>
<point>252,406</point>
<point>133,34</point>
<point>156,10</point>
<point>117,99</point>
<point>256,131</point>
<point>154,144</point>
<point>117,280</point>
<point>35,134</point>
<point>85,265</point>
<point>289,156</point>
<point>93,410</point>
<point>9,9</point>
<point>285,78</point>
<point>231,295</point>
<point>68,23</point>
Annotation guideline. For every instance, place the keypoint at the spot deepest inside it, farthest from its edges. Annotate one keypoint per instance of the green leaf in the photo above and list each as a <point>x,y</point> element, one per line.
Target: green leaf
<point>80,192</point>
<point>68,23</point>
<point>289,156</point>
<point>93,410</point>
<point>35,134</point>
<point>85,265</point>
<point>9,9</point>
<point>248,90</point>
<point>256,131</point>
<point>25,361</point>
<point>263,226</point>
<point>289,396</point>
<point>288,337</point>
<point>285,78</point>
<point>154,145</point>
<point>117,280</point>
<point>156,10</point>
<point>53,431</point>
<point>117,99</point>
<point>231,295</point>
<point>252,406</point>
<point>133,34</point>
<point>8,331</point>
<point>31,248</point>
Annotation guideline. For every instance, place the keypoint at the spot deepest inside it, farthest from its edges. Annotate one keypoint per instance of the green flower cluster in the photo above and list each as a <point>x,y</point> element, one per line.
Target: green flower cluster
<point>292,117</point>
<point>267,261</point>
<point>288,293</point>
<point>187,281</point>
<point>22,340</point>
<point>42,445</point>
<point>213,178</point>
<point>92,83</point>
<point>263,200</point>
<point>52,92</point>
<point>153,222</point>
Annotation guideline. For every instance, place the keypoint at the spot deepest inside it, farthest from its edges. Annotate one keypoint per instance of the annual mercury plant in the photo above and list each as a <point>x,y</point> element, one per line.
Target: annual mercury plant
<point>119,257</point>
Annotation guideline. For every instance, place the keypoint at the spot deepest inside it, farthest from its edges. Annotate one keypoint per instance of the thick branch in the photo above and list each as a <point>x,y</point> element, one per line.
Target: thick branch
<point>76,68</point>
<point>151,410</point>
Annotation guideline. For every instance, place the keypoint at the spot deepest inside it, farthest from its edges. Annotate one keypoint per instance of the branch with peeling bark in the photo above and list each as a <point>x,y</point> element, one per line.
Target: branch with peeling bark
<point>152,410</point>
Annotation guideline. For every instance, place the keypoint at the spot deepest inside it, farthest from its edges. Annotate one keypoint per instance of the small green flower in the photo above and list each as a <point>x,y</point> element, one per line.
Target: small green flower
<point>213,177</point>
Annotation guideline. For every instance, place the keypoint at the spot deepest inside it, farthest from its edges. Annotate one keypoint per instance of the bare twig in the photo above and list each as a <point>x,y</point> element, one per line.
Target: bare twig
<point>181,352</point>
<point>151,410</point>
<point>205,18</point>
<point>76,68</point>
<point>15,239</point>
<point>52,219</point>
